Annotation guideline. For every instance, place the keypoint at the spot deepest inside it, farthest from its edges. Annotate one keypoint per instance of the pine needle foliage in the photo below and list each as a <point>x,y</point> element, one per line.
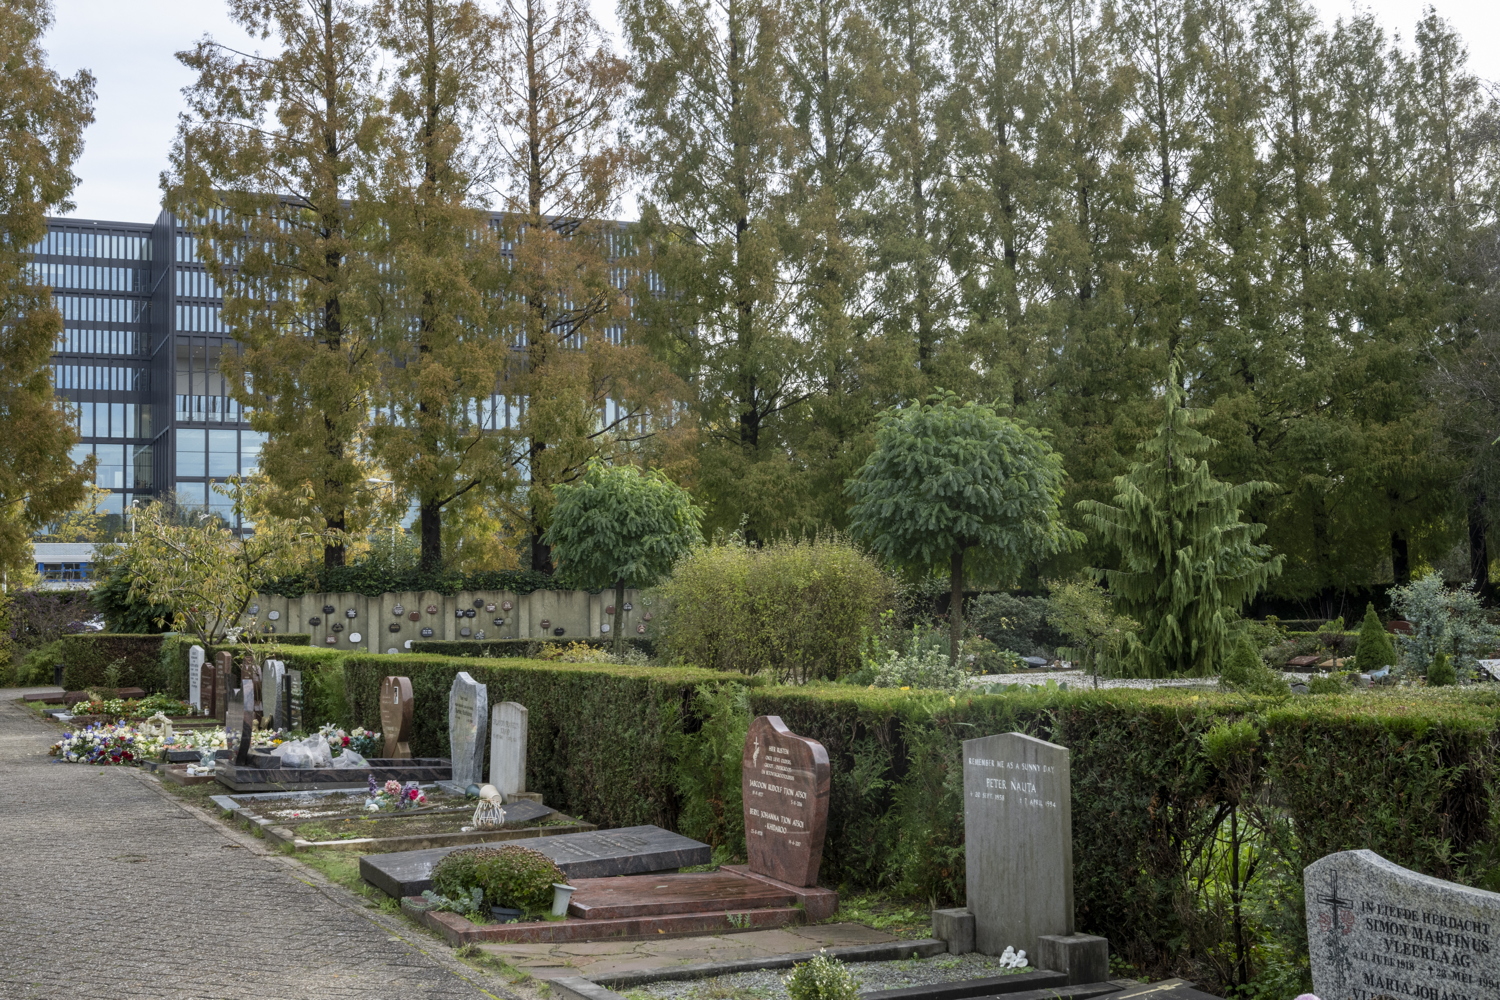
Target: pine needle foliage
<point>1375,649</point>
<point>1188,562</point>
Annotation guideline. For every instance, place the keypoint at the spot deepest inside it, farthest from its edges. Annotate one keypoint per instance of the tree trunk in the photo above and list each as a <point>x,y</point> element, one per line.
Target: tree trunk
<point>1400,559</point>
<point>333,555</point>
<point>431,519</point>
<point>619,614</point>
<point>956,604</point>
<point>1479,545</point>
<point>541,553</point>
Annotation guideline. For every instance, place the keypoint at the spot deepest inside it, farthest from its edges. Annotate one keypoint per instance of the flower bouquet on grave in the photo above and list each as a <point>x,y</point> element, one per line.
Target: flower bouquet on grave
<point>100,743</point>
<point>393,795</point>
<point>359,739</point>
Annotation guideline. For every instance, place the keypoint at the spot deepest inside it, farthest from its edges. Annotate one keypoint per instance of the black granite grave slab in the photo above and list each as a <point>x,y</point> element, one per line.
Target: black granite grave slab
<point>265,779</point>
<point>632,850</point>
<point>964,989</point>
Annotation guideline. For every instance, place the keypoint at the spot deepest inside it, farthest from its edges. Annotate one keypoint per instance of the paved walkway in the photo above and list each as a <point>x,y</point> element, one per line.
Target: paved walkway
<point>598,958</point>
<point>114,889</point>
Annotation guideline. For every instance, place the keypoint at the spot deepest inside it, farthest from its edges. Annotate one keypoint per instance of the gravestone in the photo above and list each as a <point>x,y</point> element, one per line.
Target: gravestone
<point>784,782</point>
<point>223,669</point>
<point>395,716</point>
<point>239,724</point>
<point>468,703</point>
<point>1375,929</point>
<point>292,684</point>
<point>195,676</point>
<point>250,671</point>
<point>271,690</point>
<point>1018,831</point>
<point>508,747</point>
<point>208,680</point>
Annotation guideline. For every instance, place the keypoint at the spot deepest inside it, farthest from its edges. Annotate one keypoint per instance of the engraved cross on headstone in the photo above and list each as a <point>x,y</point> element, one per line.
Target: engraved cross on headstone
<point>1335,903</point>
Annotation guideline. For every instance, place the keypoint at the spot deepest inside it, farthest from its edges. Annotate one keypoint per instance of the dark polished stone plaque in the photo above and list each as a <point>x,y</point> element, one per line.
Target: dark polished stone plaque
<point>784,784</point>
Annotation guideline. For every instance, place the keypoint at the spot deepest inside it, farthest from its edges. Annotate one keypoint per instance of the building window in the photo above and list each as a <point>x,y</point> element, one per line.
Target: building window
<point>68,572</point>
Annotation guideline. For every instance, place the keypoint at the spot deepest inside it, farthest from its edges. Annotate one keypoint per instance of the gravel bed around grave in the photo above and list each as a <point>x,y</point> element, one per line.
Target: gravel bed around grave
<point>767,985</point>
<point>1077,679</point>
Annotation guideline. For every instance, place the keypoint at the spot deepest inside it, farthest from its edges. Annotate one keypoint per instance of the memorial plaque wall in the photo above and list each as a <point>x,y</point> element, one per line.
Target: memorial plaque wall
<point>1375,929</point>
<point>784,785</point>
<point>1018,832</point>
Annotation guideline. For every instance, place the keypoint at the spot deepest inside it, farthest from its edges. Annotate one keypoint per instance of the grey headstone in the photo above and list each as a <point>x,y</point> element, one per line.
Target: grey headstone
<point>195,676</point>
<point>1018,831</point>
<point>1376,929</point>
<point>508,747</point>
<point>468,704</point>
<point>293,681</point>
<point>273,696</point>
<point>631,850</point>
<point>234,720</point>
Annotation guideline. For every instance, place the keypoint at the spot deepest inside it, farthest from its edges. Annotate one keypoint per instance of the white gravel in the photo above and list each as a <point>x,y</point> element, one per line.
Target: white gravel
<point>767,984</point>
<point>1075,679</point>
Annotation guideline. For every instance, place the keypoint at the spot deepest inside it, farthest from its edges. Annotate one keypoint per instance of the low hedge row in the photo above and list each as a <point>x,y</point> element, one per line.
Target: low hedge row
<point>88,656</point>
<point>505,648</point>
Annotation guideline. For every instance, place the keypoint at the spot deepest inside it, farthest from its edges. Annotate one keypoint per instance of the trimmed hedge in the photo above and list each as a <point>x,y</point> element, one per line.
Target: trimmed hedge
<point>597,736</point>
<point>373,581</point>
<point>525,648</point>
<point>87,656</point>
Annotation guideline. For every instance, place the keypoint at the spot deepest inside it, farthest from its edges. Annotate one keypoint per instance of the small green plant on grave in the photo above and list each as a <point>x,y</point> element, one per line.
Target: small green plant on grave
<point>509,876</point>
<point>822,978</point>
<point>470,905</point>
<point>1441,672</point>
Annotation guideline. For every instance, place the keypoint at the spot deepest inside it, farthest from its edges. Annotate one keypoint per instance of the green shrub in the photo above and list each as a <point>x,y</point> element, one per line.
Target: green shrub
<point>1374,649</point>
<point>923,668</point>
<point>375,577</point>
<point>509,875</point>
<point>797,610</point>
<point>89,656</point>
<point>823,977</point>
<point>1018,624</point>
<point>527,648</point>
<point>36,666</point>
<point>1327,684</point>
<point>1441,672</point>
<point>1246,671</point>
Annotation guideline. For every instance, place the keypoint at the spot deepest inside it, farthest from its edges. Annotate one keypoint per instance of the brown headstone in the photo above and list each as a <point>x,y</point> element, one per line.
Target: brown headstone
<point>250,671</point>
<point>784,785</point>
<point>395,716</point>
<point>208,686</point>
<point>223,667</point>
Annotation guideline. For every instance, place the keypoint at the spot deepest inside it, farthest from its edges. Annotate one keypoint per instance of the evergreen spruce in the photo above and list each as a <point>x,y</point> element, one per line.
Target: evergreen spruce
<point>1374,649</point>
<point>1441,673</point>
<point>1188,562</point>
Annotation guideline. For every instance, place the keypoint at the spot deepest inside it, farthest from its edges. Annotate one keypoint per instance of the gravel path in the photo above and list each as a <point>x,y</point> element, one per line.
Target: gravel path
<point>872,976</point>
<point>115,889</point>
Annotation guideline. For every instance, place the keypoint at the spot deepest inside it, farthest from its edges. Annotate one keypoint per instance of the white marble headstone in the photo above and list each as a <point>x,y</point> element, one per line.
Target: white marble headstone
<point>1375,929</point>
<point>1018,832</point>
<point>195,676</point>
<point>468,705</point>
<point>508,747</point>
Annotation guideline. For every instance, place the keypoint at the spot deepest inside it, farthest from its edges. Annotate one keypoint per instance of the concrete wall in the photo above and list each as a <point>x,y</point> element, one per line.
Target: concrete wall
<point>577,612</point>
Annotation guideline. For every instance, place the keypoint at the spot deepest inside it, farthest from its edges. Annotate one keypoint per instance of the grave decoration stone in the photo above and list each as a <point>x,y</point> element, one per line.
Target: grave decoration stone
<point>239,725</point>
<point>274,705</point>
<point>395,716</point>
<point>508,748</point>
<point>292,680</point>
<point>1375,929</point>
<point>223,668</point>
<point>1018,831</point>
<point>468,705</point>
<point>195,676</point>
<point>632,850</point>
<point>784,784</point>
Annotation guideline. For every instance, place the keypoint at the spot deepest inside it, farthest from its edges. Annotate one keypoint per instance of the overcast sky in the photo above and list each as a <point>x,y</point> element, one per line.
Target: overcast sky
<point>129,46</point>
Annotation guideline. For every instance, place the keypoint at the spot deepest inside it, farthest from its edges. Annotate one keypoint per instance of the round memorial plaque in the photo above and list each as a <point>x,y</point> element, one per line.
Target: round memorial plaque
<point>269,629</point>
<point>647,616</point>
<point>545,624</point>
<point>559,630</point>
<point>329,609</point>
<point>604,627</point>
<point>499,621</point>
<point>354,637</point>
<point>255,609</point>
<point>458,612</point>
<point>338,626</point>
<point>432,609</point>
<point>274,616</point>
<point>398,611</point>
<point>478,602</point>
<point>391,650</point>
<point>394,626</point>
<point>351,613</point>
<point>640,629</point>
<point>315,620</point>
<point>506,605</point>
<point>490,608</point>
<point>408,644</point>
<point>427,633</point>
<point>470,613</point>
<point>332,640</point>
<point>610,610</point>
<point>479,634</point>
<point>629,606</point>
<point>465,633</point>
<point>415,616</point>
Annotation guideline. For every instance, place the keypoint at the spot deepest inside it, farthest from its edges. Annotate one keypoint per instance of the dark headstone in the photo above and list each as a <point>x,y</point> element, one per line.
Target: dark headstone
<point>234,726</point>
<point>292,679</point>
<point>633,850</point>
<point>208,681</point>
<point>784,786</point>
<point>223,668</point>
<point>395,716</point>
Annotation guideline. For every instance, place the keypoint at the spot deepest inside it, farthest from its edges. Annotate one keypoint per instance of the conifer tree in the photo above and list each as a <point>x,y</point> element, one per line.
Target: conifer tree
<point>1189,563</point>
<point>42,118</point>
<point>267,168</point>
<point>1374,648</point>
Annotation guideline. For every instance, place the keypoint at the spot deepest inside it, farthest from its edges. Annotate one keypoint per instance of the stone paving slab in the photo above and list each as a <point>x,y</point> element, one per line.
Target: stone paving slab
<point>604,958</point>
<point>115,889</point>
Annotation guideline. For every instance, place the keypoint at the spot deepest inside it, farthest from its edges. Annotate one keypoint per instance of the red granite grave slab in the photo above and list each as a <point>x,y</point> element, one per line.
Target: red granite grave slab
<point>820,904</point>
<point>784,787</point>
<point>458,930</point>
<point>658,895</point>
